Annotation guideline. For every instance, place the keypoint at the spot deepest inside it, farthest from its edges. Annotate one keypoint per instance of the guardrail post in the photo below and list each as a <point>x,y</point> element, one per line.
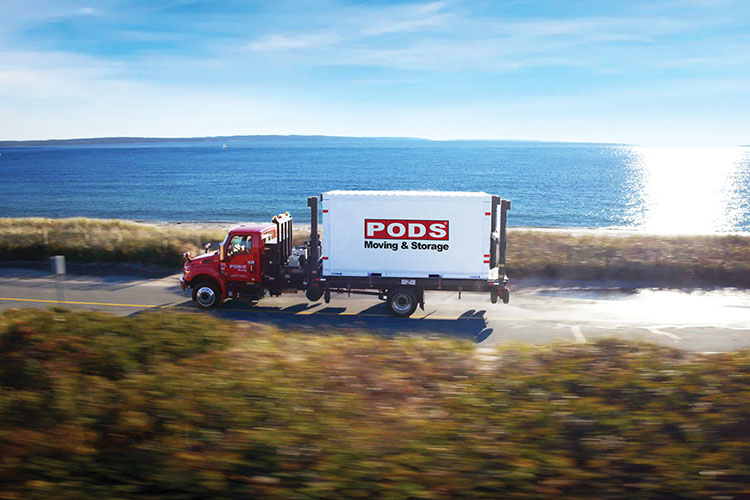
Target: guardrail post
<point>57,263</point>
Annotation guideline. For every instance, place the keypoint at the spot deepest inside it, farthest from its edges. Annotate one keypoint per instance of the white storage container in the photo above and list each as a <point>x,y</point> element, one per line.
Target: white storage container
<point>407,234</point>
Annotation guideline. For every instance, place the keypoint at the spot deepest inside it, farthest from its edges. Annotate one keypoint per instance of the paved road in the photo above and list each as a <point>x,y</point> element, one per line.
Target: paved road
<point>707,321</point>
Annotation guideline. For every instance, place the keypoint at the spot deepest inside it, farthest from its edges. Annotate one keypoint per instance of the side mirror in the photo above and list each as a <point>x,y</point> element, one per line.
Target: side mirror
<point>222,254</point>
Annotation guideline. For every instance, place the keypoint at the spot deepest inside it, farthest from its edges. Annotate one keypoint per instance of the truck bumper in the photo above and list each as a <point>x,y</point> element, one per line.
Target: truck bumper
<point>183,284</point>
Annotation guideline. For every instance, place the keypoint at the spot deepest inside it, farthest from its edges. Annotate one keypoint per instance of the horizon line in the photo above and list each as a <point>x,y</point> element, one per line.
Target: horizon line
<point>238,137</point>
<point>210,138</point>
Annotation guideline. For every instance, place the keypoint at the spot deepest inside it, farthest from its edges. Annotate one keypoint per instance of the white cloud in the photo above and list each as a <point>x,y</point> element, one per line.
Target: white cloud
<point>216,90</point>
<point>294,41</point>
<point>428,41</point>
<point>354,24</point>
<point>592,28</point>
<point>401,19</point>
<point>51,75</point>
<point>710,3</point>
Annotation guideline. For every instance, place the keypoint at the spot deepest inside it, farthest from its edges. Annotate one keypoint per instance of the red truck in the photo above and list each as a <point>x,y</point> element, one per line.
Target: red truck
<point>391,244</point>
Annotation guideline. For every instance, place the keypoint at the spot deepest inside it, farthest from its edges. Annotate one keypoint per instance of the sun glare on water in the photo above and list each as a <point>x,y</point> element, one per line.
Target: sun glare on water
<point>689,190</point>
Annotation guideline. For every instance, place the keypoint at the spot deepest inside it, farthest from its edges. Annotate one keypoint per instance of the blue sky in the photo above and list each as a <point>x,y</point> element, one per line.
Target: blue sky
<point>659,72</point>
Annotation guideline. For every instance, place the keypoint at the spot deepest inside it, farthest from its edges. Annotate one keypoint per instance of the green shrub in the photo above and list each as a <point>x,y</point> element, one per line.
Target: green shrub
<point>270,414</point>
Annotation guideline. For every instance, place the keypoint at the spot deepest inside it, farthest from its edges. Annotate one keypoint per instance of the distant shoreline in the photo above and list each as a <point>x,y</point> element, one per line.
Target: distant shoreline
<point>210,139</point>
<point>228,139</point>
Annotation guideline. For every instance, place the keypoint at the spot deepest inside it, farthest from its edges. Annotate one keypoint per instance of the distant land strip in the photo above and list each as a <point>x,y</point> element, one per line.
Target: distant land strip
<point>267,138</point>
<point>222,138</point>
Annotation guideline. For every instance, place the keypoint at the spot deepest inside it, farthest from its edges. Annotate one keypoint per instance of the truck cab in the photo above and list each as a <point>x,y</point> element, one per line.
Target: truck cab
<point>245,265</point>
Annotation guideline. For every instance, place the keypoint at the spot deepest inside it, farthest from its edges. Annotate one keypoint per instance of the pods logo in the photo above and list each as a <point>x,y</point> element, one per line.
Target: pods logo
<point>397,229</point>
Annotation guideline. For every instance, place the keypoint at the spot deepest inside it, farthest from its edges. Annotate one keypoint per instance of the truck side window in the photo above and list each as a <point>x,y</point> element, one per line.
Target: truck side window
<point>239,245</point>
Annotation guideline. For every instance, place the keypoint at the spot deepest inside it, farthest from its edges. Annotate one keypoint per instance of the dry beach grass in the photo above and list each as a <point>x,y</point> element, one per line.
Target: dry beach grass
<point>576,254</point>
<point>101,240</point>
<point>600,255</point>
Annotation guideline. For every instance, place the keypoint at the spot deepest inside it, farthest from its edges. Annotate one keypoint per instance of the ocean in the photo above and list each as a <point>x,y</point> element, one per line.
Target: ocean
<point>686,190</point>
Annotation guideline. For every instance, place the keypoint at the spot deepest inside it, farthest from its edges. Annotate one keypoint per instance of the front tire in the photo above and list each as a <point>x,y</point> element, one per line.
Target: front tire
<point>206,295</point>
<point>402,303</point>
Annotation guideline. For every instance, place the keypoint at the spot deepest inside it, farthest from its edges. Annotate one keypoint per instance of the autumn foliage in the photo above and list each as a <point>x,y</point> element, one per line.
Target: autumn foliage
<point>174,405</point>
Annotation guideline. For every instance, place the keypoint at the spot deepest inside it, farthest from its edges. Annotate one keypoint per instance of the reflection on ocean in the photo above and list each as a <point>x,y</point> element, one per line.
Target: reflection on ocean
<point>688,190</point>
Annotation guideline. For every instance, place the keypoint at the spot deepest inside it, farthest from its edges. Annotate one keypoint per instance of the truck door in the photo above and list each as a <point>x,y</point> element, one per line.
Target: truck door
<point>240,264</point>
<point>254,263</point>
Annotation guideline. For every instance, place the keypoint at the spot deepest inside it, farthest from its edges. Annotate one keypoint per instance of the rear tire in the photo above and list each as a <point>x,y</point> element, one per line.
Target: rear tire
<point>402,303</point>
<point>493,296</point>
<point>313,293</point>
<point>206,295</point>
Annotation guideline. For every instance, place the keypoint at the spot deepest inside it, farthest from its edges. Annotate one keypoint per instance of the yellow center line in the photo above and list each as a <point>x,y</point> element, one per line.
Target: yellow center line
<point>312,310</point>
<point>77,303</point>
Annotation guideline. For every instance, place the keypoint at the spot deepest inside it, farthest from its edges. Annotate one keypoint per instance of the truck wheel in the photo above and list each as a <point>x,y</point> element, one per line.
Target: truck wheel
<point>206,295</point>
<point>402,303</point>
<point>314,293</point>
